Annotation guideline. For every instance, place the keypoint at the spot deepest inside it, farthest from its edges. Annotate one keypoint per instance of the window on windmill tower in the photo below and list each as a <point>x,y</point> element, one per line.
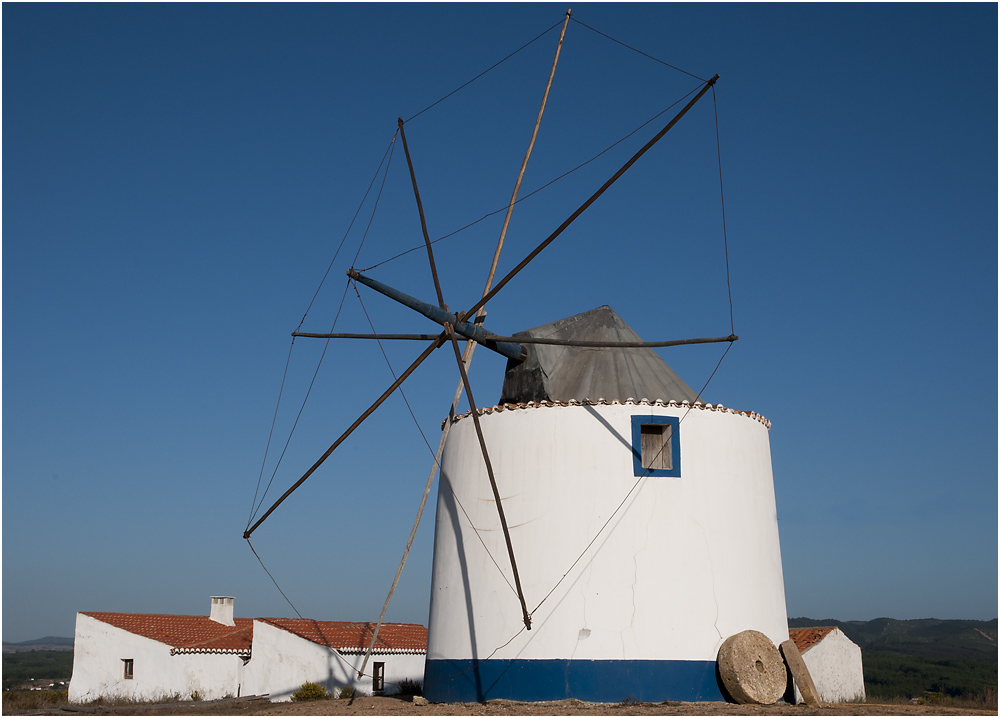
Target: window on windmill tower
<point>656,446</point>
<point>127,668</point>
<point>378,676</point>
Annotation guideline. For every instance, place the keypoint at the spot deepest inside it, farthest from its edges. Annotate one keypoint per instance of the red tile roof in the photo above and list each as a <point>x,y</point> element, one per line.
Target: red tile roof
<point>807,637</point>
<point>349,637</point>
<point>200,634</point>
<point>184,634</point>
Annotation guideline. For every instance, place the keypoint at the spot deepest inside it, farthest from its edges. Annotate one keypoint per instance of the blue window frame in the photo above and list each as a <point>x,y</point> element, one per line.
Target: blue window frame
<point>656,446</point>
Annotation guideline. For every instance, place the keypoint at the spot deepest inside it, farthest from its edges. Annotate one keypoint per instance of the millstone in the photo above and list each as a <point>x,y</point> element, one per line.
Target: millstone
<point>752,669</point>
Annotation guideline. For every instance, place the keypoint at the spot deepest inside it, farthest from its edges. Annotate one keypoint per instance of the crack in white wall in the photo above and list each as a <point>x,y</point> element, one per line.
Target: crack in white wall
<point>715,599</point>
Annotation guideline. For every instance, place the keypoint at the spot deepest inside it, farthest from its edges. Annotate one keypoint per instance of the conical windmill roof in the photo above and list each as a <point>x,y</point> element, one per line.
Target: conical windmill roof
<point>561,373</point>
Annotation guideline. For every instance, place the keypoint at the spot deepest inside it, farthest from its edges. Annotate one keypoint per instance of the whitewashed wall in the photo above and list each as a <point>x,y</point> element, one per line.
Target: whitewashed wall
<point>686,562</point>
<point>98,671</point>
<point>282,662</point>
<point>836,668</point>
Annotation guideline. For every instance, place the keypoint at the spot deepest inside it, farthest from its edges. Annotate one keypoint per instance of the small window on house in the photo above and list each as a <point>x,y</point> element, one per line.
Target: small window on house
<point>127,668</point>
<point>378,676</point>
<point>656,446</point>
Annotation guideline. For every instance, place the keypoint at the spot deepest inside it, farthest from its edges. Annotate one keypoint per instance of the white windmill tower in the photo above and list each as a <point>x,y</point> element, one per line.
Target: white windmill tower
<point>644,522</point>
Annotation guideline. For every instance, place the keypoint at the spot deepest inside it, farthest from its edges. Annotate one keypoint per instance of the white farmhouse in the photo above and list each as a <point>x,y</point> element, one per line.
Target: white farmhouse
<point>148,657</point>
<point>145,656</point>
<point>288,652</point>
<point>834,662</point>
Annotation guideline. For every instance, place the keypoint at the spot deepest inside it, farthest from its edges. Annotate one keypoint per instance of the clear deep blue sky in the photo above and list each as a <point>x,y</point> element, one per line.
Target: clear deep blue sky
<point>177,178</point>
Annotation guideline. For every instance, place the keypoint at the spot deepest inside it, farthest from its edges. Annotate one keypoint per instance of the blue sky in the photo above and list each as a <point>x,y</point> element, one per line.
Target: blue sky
<point>177,179</point>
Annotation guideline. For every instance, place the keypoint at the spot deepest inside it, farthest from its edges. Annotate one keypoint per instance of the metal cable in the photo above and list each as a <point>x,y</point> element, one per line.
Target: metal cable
<point>483,72</point>
<point>301,409</point>
<point>539,189</point>
<point>270,433</point>
<point>254,506</point>
<point>272,579</point>
<point>388,152</point>
<point>672,67</point>
<point>722,201</point>
<point>392,146</point>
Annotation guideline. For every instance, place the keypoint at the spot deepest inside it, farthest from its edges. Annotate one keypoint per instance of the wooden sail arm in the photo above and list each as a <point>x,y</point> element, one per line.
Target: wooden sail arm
<point>509,349</point>
<point>593,198</point>
<point>438,341</point>
<point>532,340</point>
<point>423,221</point>
<point>449,327</point>
<point>588,344</point>
<point>525,615</point>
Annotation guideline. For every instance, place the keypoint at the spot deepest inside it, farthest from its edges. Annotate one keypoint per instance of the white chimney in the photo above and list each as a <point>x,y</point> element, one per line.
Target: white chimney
<point>222,610</point>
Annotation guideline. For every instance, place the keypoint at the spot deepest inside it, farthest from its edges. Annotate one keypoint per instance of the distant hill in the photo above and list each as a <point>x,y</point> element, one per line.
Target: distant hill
<point>49,643</point>
<point>923,637</point>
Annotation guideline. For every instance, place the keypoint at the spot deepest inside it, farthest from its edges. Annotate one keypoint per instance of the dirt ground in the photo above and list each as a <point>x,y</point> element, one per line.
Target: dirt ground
<point>389,706</point>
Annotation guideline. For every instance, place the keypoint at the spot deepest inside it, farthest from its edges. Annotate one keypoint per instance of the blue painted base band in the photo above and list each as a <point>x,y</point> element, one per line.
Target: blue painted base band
<point>467,681</point>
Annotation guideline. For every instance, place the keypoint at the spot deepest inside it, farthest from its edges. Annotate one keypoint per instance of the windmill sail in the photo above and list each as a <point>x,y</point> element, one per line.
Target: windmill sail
<point>562,373</point>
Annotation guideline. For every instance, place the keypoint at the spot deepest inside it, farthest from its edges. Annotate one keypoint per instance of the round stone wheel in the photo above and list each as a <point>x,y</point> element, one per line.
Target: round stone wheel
<point>752,669</point>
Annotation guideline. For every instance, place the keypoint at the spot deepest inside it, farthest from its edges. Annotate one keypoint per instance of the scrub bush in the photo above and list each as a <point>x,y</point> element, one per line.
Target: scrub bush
<point>311,692</point>
<point>408,687</point>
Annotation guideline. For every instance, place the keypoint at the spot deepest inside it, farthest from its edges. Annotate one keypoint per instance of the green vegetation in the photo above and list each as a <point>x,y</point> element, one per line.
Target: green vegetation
<point>925,637</point>
<point>932,660</point>
<point>311,692</point>
<point>346,692</point>
<point>891,675</point>
<point>23,666</point>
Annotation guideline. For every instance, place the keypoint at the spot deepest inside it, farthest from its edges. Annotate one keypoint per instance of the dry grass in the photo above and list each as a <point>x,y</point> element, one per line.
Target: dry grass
<point>987,700</point>
<point>32,700</point>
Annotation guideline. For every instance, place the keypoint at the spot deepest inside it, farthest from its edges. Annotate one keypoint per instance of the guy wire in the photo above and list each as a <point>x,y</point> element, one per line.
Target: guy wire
<point>288,441</point>
<point>272,579</point>
<point>672,67</point>
<point>483,72</point>
<point>722,201</point>
<point>254,506</point>
<point>270,434</point>
<point>392,146</point>
<point>388,152</point>
<point>539,189</point>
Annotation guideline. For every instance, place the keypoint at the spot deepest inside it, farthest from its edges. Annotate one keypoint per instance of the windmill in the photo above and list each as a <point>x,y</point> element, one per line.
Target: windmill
<point>474,650</point>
